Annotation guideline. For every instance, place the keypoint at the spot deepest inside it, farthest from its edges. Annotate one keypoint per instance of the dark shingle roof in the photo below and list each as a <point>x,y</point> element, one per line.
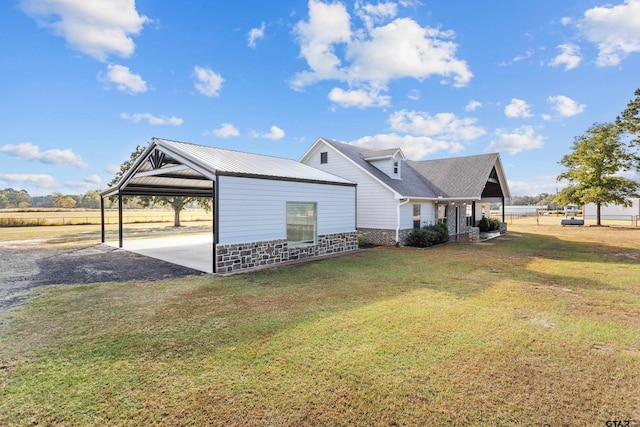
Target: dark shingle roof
<point>457,177</point>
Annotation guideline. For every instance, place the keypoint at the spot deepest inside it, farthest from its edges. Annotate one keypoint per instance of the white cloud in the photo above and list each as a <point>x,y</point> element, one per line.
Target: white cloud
<point>521,139</point>
<point>226,130</point>
<point>536,185</point>
<point>473,105</point>
<point>517,108</point>
<point>443,125</point>
<point>565,106</point>
<point>371,14</point>
<point>569,57</point>
<point>369,57</point>
<point>112,168</point>
<point>124,79</point>
<point>614,30</point>
<point>93,179</point>
<point>98,28</point>
<point>566,20</point>
<point>38,180</point>
<point>414,147</point>
<point>328,25</point>
<point>28,151</point>
<point>275,134</point>
<point>152,120</point>
<point>208,82</point>
<point>358,98</point>
<point>255,34</point>
<point>527,55</point>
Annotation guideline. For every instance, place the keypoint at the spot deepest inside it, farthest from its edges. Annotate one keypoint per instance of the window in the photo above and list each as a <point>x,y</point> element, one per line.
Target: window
<point>470,221</point>
<point>395,167</point>
<point>416,216</point>
<point>324,157</point>
<point>442,213</point>
<point>302,223</point>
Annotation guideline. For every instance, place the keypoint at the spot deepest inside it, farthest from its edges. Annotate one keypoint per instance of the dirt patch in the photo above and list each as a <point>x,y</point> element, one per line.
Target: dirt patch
<point>29,265</point>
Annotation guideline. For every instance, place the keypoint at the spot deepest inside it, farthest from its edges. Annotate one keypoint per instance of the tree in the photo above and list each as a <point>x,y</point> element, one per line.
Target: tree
<point>629,120</point>
<point>17,198</point>
<point>90,200</point>
<point>593,169</point>
<point>4,202</point>
<point>177,203</point>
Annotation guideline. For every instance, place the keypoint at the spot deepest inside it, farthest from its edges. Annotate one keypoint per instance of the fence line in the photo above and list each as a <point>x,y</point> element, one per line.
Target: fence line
<point>78,220</point>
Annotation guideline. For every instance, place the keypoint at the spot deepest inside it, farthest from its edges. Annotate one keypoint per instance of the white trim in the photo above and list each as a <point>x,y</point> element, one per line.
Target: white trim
<point>162,171</point>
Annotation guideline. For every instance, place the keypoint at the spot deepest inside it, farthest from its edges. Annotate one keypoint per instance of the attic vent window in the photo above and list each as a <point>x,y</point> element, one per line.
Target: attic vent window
<point>324,157</point>
<point>156,159</point>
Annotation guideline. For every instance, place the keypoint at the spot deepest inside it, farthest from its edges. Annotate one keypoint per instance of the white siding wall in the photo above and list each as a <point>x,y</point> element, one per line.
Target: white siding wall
<point>427,214</point>
<point>376,203</point>
<point>253,210</point>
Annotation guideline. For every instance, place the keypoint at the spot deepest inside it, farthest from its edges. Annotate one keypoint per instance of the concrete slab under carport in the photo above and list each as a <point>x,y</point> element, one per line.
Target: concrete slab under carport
<point>193,251</point>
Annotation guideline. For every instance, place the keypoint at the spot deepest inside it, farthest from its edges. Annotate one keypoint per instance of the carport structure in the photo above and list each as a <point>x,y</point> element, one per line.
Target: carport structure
<point>259,202</point>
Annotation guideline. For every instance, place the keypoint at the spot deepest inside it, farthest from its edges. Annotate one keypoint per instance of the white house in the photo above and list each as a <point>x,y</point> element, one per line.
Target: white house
<point>267,210</point>
<point>396,195</point>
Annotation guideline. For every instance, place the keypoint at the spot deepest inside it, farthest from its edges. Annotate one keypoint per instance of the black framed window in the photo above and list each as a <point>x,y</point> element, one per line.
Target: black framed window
<point>324,157</point>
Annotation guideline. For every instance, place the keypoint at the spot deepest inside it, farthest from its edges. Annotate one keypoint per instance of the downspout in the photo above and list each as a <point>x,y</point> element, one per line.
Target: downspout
<point>398,219</point>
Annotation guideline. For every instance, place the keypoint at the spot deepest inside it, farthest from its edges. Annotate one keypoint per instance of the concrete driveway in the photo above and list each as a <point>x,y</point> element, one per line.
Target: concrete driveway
<point>193,250</point>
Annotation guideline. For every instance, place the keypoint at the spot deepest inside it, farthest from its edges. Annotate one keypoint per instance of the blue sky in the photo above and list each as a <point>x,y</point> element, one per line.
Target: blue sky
<point>83,83</point>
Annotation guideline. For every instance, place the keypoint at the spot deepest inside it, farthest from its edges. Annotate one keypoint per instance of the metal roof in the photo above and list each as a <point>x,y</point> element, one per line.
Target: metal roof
<point>173,168</point>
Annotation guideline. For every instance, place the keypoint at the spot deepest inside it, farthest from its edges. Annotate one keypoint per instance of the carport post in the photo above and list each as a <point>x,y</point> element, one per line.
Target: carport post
<point>102,218</point>
<point>119,219</point>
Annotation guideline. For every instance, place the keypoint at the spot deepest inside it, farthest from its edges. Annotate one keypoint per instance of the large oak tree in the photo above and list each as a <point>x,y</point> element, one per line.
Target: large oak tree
<point>594,167</point>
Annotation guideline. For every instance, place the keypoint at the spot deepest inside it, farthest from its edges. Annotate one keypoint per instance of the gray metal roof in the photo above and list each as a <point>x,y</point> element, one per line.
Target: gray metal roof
<point>186,169</point>
<point>230,162</point>
<point>451,178</point>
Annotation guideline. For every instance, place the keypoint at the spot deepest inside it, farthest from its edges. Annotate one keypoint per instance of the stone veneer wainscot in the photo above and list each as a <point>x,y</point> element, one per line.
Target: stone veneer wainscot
<point>244,256</point>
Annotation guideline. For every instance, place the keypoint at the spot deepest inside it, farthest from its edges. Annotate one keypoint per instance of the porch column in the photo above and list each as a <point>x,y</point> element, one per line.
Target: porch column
<point>503,209</point>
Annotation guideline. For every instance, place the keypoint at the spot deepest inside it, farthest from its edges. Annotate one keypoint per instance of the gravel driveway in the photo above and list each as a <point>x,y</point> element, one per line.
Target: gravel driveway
<point>25,266</point>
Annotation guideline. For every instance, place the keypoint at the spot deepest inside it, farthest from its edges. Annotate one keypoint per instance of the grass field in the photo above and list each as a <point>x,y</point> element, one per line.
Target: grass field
<point>541,326</point>
<point>41,217</point>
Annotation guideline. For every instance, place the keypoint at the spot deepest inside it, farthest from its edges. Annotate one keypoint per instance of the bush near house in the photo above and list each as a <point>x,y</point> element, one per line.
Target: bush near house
<point>428,235</point>
<point>487,224</point>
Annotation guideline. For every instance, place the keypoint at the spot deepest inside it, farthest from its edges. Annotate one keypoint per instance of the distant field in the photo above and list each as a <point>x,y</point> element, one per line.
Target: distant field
<point>40,217</point>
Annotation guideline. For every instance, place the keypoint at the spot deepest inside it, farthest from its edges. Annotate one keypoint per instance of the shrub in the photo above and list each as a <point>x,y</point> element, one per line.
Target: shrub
<point>428,235</point>
<point>361,240</point>
<point>494,224</point>
<point>484,224</point>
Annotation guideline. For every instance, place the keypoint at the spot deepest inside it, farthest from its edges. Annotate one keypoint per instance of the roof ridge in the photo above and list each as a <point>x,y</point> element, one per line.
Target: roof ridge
<point>226,149</point>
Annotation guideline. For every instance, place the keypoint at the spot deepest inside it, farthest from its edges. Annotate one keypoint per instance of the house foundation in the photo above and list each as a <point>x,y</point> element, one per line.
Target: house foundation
<point>246,256</point>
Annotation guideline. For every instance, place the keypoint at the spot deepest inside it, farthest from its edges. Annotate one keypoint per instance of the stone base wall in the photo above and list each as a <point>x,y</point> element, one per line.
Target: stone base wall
<point>503,228</point>
<point>244,256</point>
<point>378,236</point>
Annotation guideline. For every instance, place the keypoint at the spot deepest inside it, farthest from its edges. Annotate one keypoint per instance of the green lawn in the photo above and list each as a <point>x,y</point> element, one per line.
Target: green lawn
<point>540,326</point>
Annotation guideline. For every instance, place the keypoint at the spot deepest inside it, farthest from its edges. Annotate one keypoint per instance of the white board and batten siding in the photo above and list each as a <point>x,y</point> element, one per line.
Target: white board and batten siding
<point>377,206</point>
<point>252,209</point>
